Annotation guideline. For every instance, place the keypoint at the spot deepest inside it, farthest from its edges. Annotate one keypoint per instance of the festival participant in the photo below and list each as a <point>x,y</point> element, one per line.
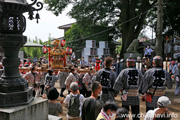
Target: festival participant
<point>108,111</point>
<point>160,113</point>
<point>101,62</point>
<point>27,63</point>
<point>129,82</point>
<point>87,83</point>
<point>146,64</point>
<point>107,79</point>
<point>21,64</point>
<point>63,76</point>
<point>118,65</point>
<point>97,65</point>
<point>155,82</point>
<point>74,102</point>
<point>82,88</point>
<point>138,63</point>
<point>33,78</point>
<point>50,79</point>
<point>91,106</point>
<point>71,78</point>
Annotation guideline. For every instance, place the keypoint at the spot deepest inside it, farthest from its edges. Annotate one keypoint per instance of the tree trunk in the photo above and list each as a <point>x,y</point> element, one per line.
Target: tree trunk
<point>132,20</point>
<point>159,38</point>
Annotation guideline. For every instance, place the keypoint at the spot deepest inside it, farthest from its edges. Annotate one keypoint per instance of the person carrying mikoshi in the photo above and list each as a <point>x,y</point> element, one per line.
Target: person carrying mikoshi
<point>129,82</point>
<point>156,80</point>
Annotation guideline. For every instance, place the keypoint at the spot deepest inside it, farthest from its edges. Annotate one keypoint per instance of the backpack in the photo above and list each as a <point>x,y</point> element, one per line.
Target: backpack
<point>81,85</point>
<point>73,108</point>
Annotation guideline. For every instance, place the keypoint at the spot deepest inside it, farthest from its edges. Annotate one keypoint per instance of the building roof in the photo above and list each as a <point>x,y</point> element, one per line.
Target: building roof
<point>30,44</point>
<point>67,26</point>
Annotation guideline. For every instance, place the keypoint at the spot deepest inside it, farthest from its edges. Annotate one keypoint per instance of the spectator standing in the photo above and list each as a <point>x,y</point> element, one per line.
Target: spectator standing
<point>74,102</point>
<point>91,106</point>
<point>172,63</point>
<point>94,59</point>
<point>107,79</point>
<point>177,80</point>
<point>156,80</point>
<point>175,66</point>
<point>73,57</point>
<point>129,82</point>
<point>168,48</point>
<point>122,114</point>
<point>83,62</point>
<point>35,59</point>
<point>55,108</point>
<point>160,113</point>
<point>148,51</point>
<point>108,112</point>
<point>42,84</point>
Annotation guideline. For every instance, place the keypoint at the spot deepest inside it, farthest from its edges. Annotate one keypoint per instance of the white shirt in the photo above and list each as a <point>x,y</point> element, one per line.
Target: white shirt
<point>150,114</point>
<point>71,78</point>
<point>87,81</point>
<point>81,99</point>
<point>148,51</point>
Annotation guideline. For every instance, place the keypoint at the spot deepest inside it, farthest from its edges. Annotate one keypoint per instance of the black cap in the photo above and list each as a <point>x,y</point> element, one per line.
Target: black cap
<point>52,94</point>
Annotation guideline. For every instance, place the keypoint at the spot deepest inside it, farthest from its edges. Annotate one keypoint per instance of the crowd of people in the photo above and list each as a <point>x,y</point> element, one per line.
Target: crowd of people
<point>91,96</point>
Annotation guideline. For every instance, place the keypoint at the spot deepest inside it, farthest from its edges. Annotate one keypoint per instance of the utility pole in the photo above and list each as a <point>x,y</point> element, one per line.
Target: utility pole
<point>159,37</point>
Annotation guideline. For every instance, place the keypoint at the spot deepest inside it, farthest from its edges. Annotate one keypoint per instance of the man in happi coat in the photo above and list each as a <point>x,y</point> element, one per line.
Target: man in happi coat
<point>107,78</point>
<point>129,82</point>
<point>156,80</point>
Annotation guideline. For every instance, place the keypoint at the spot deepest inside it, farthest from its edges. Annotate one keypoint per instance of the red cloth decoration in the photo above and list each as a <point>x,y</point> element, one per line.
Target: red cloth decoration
<point>97,66</point>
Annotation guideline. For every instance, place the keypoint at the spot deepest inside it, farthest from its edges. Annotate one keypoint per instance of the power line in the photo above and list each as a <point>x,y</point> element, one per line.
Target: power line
<point>110,28</point>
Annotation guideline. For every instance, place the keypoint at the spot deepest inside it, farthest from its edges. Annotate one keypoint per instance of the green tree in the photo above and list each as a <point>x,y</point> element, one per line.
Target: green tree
<point>171,16</point>
<point>119,47</point>
<point>33,51</point>
<point>76,36</point>
<point>127,16</point>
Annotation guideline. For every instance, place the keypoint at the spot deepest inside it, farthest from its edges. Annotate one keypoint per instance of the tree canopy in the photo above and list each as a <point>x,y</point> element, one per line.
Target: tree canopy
<point>171,16</point>
<point>126,16</point>
<point>76,36</point>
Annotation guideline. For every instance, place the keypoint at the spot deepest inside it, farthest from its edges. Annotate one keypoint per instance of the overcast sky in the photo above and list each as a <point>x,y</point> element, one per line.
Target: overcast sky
<point>48,24</point>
